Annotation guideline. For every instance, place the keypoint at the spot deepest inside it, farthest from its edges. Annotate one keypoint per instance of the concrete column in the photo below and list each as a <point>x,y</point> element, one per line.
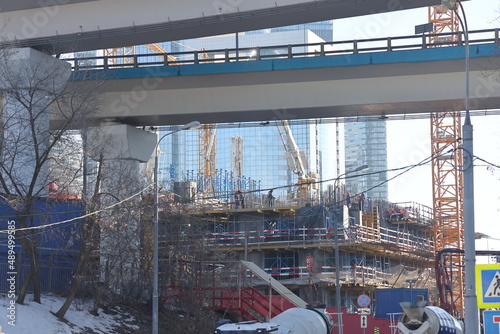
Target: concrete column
<point>123,148</point>
<point>29,80</point>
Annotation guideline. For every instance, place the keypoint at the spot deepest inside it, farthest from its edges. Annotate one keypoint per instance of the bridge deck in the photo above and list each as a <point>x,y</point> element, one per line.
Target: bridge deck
<point>373,81</point>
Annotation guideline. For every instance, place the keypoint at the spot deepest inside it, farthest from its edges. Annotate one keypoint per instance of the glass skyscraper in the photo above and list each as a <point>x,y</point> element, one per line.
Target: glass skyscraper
<point>366,144</point>
<point>323,29</point>
<point>263,156</point>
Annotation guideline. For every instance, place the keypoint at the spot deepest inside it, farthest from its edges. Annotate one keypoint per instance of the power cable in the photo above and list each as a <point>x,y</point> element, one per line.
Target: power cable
<point>404,170</point>
<point>77,218</point>
<point>486,162</point>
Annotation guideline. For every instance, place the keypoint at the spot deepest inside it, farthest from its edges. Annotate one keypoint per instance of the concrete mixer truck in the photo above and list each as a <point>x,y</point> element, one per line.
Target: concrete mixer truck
<point>292,321</point>
<point>421,319</point>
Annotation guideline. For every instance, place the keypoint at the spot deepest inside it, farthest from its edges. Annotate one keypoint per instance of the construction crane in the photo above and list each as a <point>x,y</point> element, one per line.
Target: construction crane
<point>297,162</point>
<point>448,202</point>
<point>447,181</point>
<point>207,158</point>
<point>207,136</point>
<point>237,160</point>
<point>125,56</point>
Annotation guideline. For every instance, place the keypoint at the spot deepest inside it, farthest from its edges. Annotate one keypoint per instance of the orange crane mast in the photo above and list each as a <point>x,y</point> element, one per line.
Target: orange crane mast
<point>447,179</point>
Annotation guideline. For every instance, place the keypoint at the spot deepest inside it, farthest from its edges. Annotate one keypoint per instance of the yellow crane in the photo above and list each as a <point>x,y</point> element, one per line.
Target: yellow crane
<point>207,134</point>
<point>128,53</point>
<point>307,182</point>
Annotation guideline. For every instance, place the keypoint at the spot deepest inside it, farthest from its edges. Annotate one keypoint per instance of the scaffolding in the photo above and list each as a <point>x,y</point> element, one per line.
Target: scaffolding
<point>371,248</point>
<point>295,247</point>
<point>221,187</point>
<point>207,158</point>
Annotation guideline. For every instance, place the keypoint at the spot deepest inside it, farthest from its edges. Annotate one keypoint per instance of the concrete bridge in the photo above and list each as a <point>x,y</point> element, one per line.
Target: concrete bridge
<point>75,25</point>
<point>323,81</point>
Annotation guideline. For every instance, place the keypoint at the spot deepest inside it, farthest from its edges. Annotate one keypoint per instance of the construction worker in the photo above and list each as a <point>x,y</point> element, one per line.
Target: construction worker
<point>392,213</point>
<point>361,201</point>
<point>270,198</point>
<point>241,198</point>
<point>237,199</point>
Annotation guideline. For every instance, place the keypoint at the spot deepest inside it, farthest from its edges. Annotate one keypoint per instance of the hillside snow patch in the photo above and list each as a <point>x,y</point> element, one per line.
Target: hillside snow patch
<point>37,318</point>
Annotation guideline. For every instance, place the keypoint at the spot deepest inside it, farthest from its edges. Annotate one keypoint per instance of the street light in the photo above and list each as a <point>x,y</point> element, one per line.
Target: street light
<point>338,304</point>
<point>471,313</point>
<point>190,126</point>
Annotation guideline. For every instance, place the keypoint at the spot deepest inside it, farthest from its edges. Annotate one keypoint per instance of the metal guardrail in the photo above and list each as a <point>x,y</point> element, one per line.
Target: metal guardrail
<point>288,51</point>
<point>384,237</point>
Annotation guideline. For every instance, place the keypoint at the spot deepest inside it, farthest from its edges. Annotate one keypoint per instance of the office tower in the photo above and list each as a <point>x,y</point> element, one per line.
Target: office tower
<point>366,144</point>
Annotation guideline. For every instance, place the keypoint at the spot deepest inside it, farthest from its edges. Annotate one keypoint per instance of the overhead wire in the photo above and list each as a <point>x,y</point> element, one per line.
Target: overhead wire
<point>486,162</point>
<point>334,120</point>
<point>77,219</point>
<point>403,169</point>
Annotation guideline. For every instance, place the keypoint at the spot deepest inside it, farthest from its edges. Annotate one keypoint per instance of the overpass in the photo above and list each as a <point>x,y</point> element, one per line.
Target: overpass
<point>60,26</point>
<point>401,75</point>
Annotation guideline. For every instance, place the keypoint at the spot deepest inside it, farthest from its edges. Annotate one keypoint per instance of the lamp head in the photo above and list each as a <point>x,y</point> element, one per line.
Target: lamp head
<point>360,168</point>
<point>191,126</point>
<point>450,4</point>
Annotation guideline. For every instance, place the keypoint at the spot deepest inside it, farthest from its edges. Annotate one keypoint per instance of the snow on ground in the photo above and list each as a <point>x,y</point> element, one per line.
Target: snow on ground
<point>36,318</point>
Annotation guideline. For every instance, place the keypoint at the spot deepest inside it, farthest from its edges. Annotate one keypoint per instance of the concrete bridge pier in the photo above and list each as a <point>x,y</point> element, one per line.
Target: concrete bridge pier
<point>121,149</point>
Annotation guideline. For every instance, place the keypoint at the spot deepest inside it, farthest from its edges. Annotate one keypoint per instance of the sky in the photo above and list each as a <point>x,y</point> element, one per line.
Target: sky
<point>409,141</point>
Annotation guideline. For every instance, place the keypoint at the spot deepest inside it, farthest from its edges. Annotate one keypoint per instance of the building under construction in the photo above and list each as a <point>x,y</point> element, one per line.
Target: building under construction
<point>252,254</point>
<point>380,245</point>
<point>330,253</point>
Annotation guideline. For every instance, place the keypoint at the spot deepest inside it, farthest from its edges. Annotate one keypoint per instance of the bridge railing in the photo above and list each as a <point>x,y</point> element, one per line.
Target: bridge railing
<point>287,51</point>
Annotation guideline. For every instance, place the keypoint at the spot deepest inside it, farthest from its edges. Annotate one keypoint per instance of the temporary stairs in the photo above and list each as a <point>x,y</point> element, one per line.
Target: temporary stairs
<point>249,304</point>
<point>275,285</point>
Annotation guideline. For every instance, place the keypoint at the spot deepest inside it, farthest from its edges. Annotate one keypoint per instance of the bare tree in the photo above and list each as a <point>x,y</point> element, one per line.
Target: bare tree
<point>188,272</point>
<point>89,233</point>
<point>35,96</point>
<point>114,233</point>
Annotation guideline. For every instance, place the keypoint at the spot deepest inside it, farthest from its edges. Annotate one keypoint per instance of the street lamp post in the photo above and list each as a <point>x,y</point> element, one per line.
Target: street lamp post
<point>471,313</point>
<point>338,304</point>
<point>189,126</point>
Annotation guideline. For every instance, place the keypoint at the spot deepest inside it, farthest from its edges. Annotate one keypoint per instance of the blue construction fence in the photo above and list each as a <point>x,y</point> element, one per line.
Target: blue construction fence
<point>53,226</point>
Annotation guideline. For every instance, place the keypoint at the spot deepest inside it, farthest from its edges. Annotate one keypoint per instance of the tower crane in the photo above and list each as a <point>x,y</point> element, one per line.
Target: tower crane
<point>297,162</point>
<point>207,157</point>
<point>128,53</point>
<point>447,181</point>
<point>207,134</point>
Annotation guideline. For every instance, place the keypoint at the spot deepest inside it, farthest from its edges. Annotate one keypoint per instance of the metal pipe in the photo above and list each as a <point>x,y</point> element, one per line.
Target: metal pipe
<point>470,302</point>
<point>189,126</point>
<point>155,247</point>
<point>338,304</point>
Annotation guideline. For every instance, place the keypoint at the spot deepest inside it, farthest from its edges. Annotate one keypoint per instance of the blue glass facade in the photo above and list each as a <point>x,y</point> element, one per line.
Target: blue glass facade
<point>263,157</point>
<point>366,144</point>
<point>263,154</point>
